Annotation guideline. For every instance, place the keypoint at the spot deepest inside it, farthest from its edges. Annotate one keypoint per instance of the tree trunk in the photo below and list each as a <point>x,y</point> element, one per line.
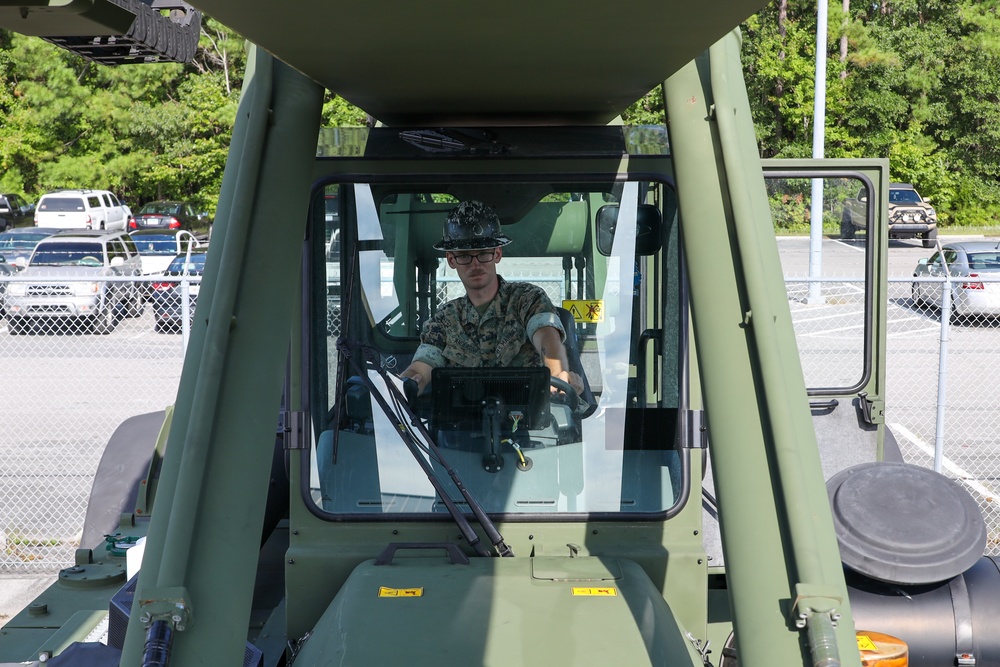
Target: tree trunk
<point>779,84</point>
<point>843,38</point>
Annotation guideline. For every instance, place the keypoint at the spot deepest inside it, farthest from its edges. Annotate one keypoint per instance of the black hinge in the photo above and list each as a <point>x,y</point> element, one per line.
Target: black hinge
<point>292,426</point>
<point>693,429</point>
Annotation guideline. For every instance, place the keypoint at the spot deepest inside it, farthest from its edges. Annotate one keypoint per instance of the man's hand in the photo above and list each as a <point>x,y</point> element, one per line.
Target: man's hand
<point>570,378</point>
<point>419,372</point>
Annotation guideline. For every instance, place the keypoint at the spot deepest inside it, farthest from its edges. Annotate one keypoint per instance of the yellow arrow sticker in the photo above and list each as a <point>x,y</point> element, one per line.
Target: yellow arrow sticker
<point>865,643</point>
<point>385,592</point>
<point>585,311</point>
<point>596,592</point>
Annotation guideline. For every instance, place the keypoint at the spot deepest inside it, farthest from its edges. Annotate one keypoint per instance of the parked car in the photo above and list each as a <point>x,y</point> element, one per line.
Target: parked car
<point>6,270</point>
<point>81,209</point>
<point>14,211</point>
<point>87,257</point>
<point>910,215</point>
<point>968,263</point>
<point>167,297</point>
<point>16,244</point>
<point>158,247</point>
<point>166,215</point>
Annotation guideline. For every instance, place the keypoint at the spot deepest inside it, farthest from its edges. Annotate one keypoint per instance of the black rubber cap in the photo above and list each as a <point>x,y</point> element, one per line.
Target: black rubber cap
<point>904,524</point>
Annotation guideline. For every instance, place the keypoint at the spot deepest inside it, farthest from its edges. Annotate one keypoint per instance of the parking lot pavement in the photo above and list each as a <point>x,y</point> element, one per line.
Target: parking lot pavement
<point>18,590</point>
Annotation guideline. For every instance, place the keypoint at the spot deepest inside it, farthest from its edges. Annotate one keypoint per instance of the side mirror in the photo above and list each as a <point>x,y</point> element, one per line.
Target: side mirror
<point>648,226</point>
<point>117,261</point>
<point>927,200</point>
<point>922,262</point>
<point>20,262</point>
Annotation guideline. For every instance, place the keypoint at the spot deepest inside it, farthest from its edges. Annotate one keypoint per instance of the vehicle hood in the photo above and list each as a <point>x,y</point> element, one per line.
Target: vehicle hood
<point>66,271</point>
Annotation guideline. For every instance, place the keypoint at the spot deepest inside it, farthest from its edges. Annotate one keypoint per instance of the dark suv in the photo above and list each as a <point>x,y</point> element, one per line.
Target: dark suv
<point>910,216</point>
<point>14,211</point>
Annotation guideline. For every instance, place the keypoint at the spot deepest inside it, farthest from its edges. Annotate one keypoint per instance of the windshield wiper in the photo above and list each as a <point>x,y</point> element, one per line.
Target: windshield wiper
<point>404,431</point>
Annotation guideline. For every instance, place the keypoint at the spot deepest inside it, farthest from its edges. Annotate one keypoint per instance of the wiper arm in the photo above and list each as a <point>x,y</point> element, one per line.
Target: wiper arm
<point>403,429</point>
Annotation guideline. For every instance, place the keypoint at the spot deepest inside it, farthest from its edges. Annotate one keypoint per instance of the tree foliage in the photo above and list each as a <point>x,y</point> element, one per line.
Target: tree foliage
<point>919,84</point>
<point>144,131</point>
<point>916,81</point>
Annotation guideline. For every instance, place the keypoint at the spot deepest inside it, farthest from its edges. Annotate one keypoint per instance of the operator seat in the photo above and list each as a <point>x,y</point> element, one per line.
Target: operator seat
<point>573,356</point>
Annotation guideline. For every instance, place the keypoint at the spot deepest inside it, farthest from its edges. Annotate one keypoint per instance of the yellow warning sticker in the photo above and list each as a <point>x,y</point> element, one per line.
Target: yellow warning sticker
<point>585,311</point>
<point>596,592</point>
<point>865,643</point>
<point>385,592</point>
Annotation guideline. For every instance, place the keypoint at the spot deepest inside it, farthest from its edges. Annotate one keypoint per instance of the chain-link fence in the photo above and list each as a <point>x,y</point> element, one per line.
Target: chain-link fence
<point>943,348</point>
<point>942,401</point>
<point>79,356</point>
<point>71,377</point>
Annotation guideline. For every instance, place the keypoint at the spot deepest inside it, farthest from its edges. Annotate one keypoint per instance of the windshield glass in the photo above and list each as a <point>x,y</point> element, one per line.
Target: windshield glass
<point>984,261</point>
<point>187,265</point>
<point>160,208</point>
<point>20,241</point>
<point>68,254</point>
<point>904,197</point>
<point>594,264</point>
<point>62,204</point>
<point>155,245</point>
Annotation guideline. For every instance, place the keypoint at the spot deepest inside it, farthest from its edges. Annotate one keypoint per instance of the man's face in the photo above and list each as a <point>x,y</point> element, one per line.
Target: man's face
<point>481,269</point>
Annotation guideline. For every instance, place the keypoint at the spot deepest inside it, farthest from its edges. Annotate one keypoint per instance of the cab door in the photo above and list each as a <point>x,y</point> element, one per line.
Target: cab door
<point>837,288</point>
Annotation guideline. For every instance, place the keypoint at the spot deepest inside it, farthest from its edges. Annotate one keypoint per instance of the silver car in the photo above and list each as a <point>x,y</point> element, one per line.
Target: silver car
<point>971,265</point>
<point>67,287</point>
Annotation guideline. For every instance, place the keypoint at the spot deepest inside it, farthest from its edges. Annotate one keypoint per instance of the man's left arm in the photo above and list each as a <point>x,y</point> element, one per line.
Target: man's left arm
<point>548,342</point>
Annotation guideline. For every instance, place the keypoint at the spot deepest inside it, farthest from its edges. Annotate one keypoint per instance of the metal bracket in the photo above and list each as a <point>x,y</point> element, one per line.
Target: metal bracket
<point>293,428</point>
<point>167,604</point>
<point>873,412</point>
<point>814,599</point>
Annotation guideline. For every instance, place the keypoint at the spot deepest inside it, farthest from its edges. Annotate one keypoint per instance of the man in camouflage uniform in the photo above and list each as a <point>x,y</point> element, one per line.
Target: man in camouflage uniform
<point>497,323</point>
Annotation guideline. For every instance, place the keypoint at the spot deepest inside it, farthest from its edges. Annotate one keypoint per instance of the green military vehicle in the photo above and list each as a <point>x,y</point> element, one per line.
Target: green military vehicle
<point>675,512</point>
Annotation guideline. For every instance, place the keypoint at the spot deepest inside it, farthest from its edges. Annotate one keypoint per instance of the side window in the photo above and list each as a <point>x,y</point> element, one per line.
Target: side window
<point>116,249</point>
<point>94,202</point>
<point>113,199</point>
<point>130,245</point>
<point>826,276</point>
<point>935,259</point>
<point>950,256</point>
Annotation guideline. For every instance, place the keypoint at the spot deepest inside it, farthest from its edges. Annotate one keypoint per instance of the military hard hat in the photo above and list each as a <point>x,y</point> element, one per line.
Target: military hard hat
<point>471,225</point>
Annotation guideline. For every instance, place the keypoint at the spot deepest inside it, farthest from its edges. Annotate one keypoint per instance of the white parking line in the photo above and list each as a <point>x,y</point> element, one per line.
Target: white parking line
<point>839,314</point>
<point>912,332</point>
<point>823,332</point>
<point>959,473</point>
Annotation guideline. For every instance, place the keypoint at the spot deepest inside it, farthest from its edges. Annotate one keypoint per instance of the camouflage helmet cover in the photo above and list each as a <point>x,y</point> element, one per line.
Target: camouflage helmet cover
<point>471,225</point>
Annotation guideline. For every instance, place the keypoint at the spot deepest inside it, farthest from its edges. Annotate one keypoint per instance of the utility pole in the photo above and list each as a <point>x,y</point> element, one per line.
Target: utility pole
<point>819,135</point>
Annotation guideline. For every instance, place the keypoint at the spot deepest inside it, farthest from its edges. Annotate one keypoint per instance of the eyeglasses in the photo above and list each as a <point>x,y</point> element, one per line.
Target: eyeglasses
<point>482,258</point>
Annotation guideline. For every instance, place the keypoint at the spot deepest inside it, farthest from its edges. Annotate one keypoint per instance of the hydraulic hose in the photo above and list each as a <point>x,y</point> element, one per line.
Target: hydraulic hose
<point>159,639</point>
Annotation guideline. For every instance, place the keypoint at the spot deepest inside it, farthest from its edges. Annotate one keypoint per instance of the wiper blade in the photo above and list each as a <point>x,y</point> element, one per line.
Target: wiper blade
<point>403,429</point>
